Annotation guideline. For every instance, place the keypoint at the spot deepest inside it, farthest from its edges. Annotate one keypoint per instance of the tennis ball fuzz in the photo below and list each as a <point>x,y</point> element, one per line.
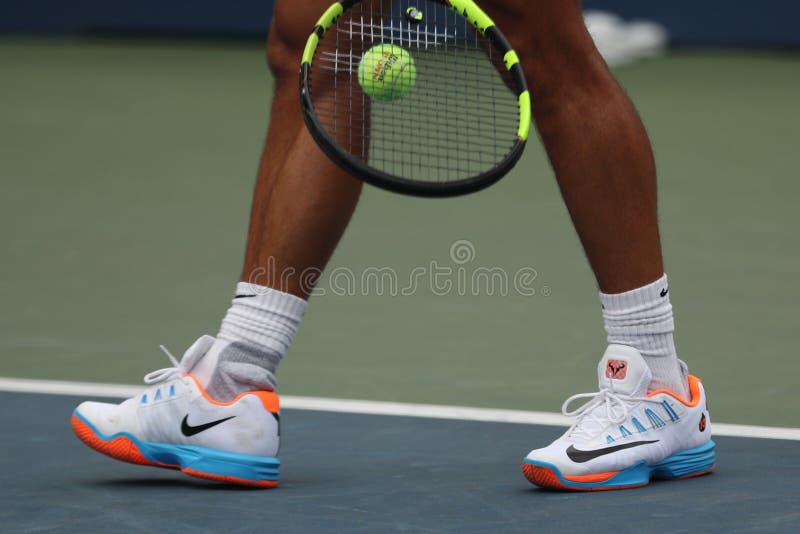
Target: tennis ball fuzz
<point>387,72</point>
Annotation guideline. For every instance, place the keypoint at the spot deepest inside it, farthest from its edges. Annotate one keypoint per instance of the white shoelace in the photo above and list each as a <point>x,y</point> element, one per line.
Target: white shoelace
<point>167,373</point>
<point>590,420</point>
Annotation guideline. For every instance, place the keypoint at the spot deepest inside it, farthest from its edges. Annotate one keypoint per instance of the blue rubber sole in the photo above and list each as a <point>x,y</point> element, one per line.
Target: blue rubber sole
<point>201,462</point>
<point>685,464</point>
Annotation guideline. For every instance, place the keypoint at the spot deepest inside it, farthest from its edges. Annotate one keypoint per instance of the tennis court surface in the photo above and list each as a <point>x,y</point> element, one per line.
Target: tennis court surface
<point>345,472</point>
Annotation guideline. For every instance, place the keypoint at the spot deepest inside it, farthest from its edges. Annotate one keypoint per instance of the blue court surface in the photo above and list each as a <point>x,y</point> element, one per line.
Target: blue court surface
<point>347,472</point>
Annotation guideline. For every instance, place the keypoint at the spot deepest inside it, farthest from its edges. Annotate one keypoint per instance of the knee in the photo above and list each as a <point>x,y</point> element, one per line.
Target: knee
<point>284,52</point>
<point>559,64</point>
<point>291,26</point>
<point>554,46</point>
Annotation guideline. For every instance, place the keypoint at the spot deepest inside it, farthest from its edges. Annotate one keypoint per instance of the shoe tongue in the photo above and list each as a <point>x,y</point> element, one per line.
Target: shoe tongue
<point>195,356</point>
<point>624,370</point>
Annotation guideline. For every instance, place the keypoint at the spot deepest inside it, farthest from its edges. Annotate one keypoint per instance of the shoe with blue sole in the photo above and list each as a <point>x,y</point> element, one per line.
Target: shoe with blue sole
<point>176,424</point>
<point>623,436</point>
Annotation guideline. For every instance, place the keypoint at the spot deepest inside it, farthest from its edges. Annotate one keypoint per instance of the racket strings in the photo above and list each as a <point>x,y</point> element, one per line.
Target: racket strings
<point>459,119</point>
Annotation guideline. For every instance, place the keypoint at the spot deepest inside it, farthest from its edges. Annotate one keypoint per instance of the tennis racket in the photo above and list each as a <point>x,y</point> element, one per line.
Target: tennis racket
<point>420,97</point>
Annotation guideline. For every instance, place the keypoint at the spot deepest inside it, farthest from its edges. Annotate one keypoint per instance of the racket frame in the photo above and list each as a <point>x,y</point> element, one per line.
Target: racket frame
<point>398,184</point>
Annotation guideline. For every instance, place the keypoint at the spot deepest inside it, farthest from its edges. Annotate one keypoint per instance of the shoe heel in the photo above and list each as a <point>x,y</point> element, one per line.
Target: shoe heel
<point>235,468</point>
<point>685,464</point>
<point>213,464</point>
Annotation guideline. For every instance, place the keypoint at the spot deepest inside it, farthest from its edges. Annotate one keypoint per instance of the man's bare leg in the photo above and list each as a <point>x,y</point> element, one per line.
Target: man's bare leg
<point>596,142</point>
<point>604,165</point>
<point>302,201</point>
<point>302,204</point>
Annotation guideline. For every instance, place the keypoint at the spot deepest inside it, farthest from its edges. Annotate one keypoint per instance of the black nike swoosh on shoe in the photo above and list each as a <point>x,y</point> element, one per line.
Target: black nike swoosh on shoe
<point>189,430</point>
<point>248,296</point>
<point>664,292</point>
<point>580,457</point>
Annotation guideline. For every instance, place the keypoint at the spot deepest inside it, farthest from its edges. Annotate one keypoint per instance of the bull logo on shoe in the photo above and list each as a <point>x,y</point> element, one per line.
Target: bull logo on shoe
<point>702,425</point>
<point>616,369</point>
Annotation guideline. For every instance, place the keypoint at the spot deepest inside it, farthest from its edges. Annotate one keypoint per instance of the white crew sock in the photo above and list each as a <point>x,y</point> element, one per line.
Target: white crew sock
<point>255,334</point>
<point>642,319</point>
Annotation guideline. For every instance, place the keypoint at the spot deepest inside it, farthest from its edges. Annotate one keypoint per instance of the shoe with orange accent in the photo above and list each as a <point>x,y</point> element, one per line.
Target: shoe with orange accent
<point>623,437</point>
<point>174,423</point>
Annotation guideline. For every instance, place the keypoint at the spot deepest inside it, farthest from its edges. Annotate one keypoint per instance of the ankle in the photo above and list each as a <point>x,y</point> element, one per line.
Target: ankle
<point>642,318</point>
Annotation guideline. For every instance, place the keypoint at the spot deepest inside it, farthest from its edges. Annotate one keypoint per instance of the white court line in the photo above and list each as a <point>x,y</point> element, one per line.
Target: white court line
<point>431,411</point>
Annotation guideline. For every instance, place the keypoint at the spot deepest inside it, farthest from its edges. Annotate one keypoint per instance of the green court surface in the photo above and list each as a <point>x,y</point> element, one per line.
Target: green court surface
<point>126,170</point>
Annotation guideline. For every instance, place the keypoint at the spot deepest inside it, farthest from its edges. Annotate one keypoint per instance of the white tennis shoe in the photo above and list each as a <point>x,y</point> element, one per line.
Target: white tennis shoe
<point>623,436</point>
<point>175,424</point>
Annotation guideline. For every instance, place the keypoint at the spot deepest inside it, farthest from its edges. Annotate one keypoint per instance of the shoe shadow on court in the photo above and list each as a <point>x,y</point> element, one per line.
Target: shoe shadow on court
<point>166,483</point>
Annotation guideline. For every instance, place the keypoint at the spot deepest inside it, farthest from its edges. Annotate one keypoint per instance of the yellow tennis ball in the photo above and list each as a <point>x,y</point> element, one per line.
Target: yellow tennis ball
<point>387,72</point>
